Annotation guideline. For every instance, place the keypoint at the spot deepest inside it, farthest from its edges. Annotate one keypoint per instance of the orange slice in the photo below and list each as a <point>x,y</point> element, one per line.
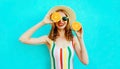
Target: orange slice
<point>76,26</point>
<point>55,17</point>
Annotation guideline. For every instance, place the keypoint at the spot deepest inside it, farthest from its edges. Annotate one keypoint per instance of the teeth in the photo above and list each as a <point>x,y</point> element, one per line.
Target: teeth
<point>60,24</point>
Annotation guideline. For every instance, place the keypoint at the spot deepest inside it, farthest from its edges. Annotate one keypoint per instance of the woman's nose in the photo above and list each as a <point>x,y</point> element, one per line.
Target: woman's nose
<point>61,20</point>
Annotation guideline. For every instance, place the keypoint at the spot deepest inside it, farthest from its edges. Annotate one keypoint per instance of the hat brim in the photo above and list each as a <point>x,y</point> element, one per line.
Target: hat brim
<point>68,10</point>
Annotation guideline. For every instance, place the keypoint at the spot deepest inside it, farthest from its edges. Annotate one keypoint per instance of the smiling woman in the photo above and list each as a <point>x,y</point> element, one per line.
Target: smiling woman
<point>60,41</point>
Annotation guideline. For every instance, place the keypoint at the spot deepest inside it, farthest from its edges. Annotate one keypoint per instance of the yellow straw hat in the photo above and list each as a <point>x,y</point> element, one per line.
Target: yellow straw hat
<point>70,13</point>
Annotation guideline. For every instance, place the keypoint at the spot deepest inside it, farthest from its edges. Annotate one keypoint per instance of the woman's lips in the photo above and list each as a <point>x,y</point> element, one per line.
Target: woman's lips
<point>60,24</point>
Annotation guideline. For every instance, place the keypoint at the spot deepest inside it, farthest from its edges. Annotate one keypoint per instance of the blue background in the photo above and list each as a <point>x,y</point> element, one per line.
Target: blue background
<point>100,20</point>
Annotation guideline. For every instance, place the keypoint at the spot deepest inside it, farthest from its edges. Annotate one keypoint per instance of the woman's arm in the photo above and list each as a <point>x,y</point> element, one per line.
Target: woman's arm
<point>80,47</point>
<point>26,37</point>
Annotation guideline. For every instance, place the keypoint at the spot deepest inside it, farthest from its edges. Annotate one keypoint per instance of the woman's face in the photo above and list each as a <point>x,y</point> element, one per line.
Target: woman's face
<point>61,24</point>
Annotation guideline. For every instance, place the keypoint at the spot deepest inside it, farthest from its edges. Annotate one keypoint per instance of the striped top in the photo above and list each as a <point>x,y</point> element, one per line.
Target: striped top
<point>61,58</point>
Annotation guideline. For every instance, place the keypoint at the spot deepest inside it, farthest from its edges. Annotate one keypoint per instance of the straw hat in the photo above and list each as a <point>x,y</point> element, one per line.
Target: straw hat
<point>70,13</point>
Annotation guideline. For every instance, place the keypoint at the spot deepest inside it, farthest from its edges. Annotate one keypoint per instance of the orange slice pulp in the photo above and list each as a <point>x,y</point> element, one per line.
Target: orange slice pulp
<point>76,26</point>
<point>55,17</point>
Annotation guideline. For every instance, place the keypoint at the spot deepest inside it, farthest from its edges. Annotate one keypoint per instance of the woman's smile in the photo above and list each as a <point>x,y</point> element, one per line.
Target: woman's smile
<point>61,23</point>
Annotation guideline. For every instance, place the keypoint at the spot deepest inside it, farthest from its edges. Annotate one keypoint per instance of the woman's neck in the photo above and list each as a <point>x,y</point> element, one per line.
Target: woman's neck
<point>61,33</point>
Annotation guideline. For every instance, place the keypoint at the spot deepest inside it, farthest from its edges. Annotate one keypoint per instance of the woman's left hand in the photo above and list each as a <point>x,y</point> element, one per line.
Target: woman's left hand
<point>79,33</point>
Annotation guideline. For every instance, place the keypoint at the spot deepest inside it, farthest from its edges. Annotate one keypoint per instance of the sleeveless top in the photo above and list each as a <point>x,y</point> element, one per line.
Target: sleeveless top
<point>61,58</point>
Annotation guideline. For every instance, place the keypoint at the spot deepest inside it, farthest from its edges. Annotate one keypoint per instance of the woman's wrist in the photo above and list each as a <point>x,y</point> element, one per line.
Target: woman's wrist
<point>79,35</point>
<point>43,22</point>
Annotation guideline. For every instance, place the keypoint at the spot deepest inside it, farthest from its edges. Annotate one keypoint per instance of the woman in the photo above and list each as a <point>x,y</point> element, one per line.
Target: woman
<point>60,42</point>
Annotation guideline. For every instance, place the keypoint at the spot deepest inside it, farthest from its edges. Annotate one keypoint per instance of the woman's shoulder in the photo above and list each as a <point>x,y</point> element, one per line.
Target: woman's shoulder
<point>49,41</point>
<point>74,39</point>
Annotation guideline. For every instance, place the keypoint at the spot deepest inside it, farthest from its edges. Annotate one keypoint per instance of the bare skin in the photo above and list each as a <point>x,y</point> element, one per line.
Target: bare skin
<point>78,41</point>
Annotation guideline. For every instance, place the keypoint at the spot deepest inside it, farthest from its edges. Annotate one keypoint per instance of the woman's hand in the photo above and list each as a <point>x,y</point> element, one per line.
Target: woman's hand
<point>79,33</point>
<point>47,19</point>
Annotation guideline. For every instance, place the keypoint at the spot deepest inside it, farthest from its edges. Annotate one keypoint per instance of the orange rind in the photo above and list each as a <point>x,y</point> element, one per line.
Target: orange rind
<point>55,17</point>
<point>76,26</point>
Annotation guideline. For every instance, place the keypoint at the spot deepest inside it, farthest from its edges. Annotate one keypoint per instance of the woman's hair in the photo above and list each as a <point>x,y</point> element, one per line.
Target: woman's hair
<point>54,31</point>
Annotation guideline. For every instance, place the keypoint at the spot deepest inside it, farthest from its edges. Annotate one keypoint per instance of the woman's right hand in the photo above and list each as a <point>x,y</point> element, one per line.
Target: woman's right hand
<point>47,19</point>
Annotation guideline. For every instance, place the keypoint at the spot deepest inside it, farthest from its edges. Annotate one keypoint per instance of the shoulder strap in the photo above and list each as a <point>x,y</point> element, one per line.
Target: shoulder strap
<point>51,43</point>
